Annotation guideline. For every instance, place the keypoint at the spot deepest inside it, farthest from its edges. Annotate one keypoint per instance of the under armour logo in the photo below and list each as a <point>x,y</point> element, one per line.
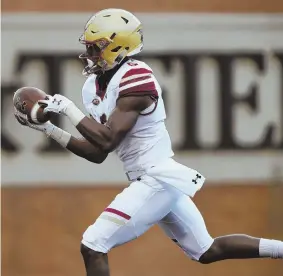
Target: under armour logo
<point>58,102</point>
<point>198,176</point>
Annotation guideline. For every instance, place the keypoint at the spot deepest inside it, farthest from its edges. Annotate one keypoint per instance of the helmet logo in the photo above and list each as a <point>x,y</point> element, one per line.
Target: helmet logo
<point>102,43</point>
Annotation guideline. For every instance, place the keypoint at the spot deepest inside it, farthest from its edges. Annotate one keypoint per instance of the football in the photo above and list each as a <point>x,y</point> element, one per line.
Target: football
<point>25,101</point>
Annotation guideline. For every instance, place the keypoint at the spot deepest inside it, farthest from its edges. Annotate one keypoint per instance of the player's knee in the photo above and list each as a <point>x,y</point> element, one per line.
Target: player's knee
<point>85,251</point>
<point>96,263</point>
<point>213,254</point>
<point>89,254</point>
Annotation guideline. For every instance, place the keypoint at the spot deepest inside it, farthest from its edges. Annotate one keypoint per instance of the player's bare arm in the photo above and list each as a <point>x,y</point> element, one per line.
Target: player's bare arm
<point>107,137</point>
<point>83,148</point>
<point>79,146</point>
<point>123,118</point>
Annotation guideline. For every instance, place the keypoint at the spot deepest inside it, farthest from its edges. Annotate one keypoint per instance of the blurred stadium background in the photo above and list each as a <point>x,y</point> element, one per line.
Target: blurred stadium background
<point>220,65</point>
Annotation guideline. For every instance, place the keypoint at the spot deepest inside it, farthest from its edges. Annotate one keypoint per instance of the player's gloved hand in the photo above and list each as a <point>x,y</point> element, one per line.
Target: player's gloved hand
<point>47,127</point>
<point>57,104</point>
<point>62,105</point>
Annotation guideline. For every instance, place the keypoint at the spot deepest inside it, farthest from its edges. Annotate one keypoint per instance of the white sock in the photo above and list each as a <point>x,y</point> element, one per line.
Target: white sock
<point>271,248</point>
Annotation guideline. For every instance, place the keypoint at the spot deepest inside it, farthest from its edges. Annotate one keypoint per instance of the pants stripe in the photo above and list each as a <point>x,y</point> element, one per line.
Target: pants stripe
<point>117,212</point>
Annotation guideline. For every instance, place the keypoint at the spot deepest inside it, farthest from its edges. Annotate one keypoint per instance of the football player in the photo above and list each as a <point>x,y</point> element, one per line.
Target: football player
<point>127,116</point>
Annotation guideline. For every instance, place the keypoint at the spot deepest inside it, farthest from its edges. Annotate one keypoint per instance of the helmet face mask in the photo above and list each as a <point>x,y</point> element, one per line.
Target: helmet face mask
<point>92,57</point>
<point>109,36</point>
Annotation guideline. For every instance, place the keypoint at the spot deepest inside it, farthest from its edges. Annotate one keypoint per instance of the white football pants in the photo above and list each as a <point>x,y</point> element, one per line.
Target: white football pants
<point>140,206</point>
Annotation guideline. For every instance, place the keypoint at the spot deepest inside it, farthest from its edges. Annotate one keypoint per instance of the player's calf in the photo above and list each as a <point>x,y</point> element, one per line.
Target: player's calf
<point>242,247</point>
<point>96,263</point>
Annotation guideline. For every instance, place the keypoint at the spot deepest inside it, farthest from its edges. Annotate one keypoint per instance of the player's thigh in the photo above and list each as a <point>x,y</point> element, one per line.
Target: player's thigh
<point>131,213</point>
<point>185,225</point>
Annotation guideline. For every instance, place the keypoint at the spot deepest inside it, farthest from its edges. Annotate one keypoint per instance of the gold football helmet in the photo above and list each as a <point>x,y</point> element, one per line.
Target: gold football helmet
<point>109,36</point>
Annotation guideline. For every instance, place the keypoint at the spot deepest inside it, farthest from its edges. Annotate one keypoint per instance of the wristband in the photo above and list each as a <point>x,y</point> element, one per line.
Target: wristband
<point>74,114</point>
<point>59,135</point>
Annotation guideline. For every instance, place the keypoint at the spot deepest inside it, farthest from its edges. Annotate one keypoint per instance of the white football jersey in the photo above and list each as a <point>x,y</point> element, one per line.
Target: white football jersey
<point>148,142</point>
